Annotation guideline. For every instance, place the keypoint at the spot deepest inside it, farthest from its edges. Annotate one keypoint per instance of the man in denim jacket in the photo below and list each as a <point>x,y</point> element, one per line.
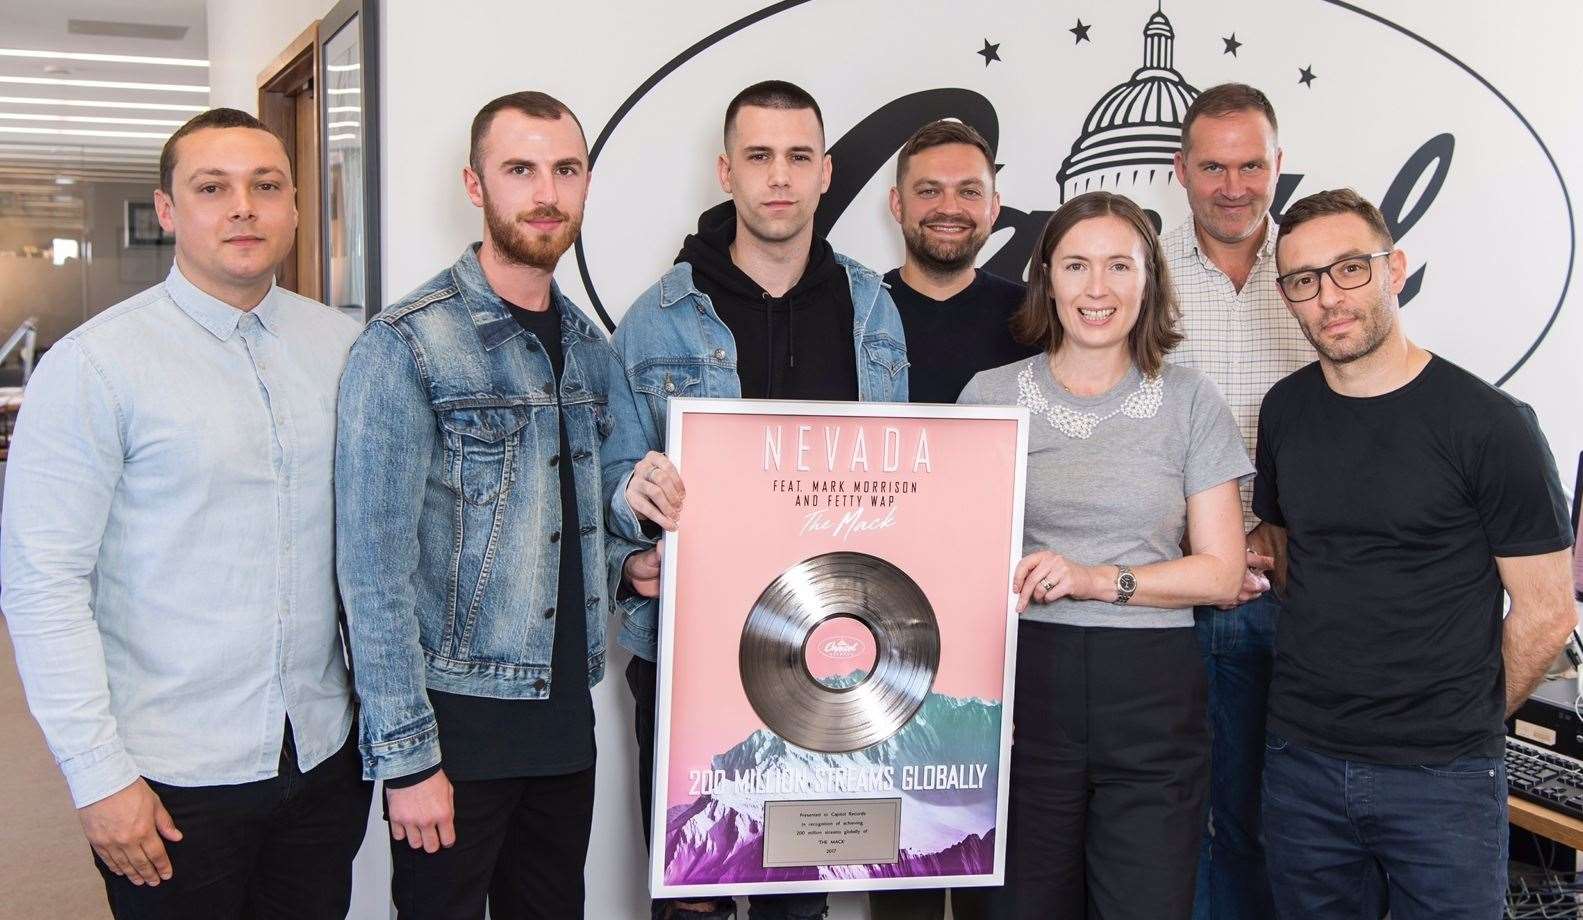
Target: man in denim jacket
<point>471,542</point>
<point>756,306</point>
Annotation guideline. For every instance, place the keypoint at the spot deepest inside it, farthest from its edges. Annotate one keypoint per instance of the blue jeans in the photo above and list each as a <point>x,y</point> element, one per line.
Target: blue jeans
<point>1436,831</point>
<point>1238,646</point>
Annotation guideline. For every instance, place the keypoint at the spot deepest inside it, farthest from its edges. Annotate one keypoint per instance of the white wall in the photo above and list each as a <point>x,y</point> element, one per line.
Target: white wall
<point>441,61</point>
<point>244,37</point>
<point>593,63</point>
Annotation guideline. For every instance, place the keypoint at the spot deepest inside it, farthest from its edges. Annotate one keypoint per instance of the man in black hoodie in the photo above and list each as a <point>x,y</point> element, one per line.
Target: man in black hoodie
<point>756,306</point>
<point>816,312</point>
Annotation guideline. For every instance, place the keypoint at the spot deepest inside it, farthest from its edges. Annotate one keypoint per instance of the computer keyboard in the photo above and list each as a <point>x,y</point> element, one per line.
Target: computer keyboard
<point>1550,779</point>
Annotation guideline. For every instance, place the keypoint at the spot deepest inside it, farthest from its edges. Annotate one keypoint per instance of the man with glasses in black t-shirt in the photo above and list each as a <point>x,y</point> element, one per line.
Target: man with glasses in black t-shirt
<point>1410,494</point>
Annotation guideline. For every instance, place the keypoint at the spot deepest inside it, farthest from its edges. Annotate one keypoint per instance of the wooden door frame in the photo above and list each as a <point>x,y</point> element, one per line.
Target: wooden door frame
<point>278,85</point>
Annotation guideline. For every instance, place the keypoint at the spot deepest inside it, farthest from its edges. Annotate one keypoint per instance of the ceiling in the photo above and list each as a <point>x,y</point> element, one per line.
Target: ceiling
<point>65,120</point>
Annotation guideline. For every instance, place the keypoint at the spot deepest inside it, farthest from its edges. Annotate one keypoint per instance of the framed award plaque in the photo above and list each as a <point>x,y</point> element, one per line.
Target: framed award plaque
<point>837,647</point>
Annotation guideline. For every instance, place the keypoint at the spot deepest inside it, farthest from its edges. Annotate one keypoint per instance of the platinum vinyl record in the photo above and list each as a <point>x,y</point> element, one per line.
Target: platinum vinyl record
<point>773,663</point>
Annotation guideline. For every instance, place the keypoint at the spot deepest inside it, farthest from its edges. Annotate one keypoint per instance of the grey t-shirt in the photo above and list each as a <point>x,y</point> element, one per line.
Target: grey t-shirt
<point>1118,495</point>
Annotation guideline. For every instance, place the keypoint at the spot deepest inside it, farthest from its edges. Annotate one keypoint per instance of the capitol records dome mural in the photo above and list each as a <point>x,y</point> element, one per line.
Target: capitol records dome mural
<point>1134,131</point>
<point>1087,95</point>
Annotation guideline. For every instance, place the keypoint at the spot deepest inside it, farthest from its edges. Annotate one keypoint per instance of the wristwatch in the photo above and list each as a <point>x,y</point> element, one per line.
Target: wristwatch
<point>1126,584</point>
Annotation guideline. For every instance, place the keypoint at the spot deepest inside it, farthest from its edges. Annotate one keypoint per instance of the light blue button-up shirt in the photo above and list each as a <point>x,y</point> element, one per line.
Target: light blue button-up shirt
<point>167,541</point>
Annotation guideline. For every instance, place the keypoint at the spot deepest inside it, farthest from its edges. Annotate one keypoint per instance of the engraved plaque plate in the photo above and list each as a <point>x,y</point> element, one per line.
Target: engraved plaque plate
<point>832,832</point>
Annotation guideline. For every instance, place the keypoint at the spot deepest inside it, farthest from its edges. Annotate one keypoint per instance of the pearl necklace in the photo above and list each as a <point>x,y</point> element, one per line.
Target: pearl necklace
<point>1144,402</point>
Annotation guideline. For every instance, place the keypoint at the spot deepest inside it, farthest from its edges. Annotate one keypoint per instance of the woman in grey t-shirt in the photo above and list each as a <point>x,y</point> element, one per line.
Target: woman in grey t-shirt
<point>1126,456</point>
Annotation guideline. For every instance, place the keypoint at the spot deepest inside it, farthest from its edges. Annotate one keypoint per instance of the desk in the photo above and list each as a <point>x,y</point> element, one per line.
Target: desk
<point>1552,825</point>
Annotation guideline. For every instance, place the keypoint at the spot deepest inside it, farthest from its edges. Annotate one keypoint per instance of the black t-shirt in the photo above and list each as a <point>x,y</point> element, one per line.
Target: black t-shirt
<point>483,738</point>
<point>948,341</point>
<point>1389,648</point>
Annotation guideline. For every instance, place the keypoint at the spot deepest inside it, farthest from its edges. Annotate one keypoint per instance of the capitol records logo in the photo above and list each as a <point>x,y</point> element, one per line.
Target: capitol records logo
<point>1094,100</point>
<point>841,647</point>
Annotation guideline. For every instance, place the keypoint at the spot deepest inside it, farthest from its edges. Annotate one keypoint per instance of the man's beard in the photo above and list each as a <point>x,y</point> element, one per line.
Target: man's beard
<point>944,257</point>
<point>1230,234</point>
<point>524,246</point>
<point>1374,325</point>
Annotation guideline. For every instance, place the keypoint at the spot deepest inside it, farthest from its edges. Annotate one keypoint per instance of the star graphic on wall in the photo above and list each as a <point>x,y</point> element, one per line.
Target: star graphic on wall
<point>1231,45</point>
<point>1307,78</point>
<point>1081,31</point>
<point>990,52</point>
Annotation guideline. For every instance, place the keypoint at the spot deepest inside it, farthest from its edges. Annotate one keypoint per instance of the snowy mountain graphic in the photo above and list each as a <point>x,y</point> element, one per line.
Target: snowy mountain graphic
<point>718,838</point>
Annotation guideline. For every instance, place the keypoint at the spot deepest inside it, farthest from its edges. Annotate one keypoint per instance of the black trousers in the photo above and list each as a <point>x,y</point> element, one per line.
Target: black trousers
<point>643,681</point>
<point>275,848</point>
<point>521,844</point>
<point>928,904</point>
<point>1109,774</point>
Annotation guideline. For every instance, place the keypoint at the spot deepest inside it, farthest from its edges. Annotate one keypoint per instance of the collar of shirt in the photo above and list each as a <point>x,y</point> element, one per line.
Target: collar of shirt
<point>1266,248</point>
<point>214,314</point>
<point>493,319</point>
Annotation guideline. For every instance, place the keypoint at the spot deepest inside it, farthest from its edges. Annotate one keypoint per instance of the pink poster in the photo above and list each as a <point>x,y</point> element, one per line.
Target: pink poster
<point>836,649</point>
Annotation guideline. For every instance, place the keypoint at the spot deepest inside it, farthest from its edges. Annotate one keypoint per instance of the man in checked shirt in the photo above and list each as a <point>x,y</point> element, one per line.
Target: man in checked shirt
<point>1236,330</point>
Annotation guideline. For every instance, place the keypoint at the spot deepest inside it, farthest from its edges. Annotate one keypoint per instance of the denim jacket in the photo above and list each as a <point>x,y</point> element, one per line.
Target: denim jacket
<point>673,343</point>
<point>448,509</point>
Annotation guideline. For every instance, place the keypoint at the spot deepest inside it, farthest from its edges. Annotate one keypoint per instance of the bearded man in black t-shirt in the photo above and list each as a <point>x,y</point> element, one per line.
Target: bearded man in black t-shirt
<point>957,317</point>
<point>958,322</point>
<point>1410,495</point>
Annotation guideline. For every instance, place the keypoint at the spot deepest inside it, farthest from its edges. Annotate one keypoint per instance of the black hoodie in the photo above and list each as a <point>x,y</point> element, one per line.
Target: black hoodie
<point>798,346</point>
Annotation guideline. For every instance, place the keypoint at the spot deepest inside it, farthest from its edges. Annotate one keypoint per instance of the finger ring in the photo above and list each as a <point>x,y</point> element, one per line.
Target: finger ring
<point>1047,585</point>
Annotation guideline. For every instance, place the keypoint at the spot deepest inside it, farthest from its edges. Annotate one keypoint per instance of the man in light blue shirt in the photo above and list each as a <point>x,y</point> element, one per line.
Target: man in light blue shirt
<point>167,553</point>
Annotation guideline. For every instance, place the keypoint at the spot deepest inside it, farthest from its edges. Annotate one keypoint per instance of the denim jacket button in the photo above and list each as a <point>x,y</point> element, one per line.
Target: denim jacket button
<point>670,385</point>
<point>720,354</point>
<point>555,537</point>
<point>549,614</point>
<point>555,459</point>
<point>540,684</point>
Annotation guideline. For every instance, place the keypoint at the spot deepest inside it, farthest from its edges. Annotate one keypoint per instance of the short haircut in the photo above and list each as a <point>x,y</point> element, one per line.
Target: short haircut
<point>1224,100</point>
<point>1153,335</point>
<point>214,118</point>
<point>938,134</point>
<point>1334,201</point>
<point>772,94</point>
<point>531,103</point>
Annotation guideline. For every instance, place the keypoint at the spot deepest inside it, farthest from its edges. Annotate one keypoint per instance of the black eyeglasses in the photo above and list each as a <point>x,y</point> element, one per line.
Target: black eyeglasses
<point>1351,272</point>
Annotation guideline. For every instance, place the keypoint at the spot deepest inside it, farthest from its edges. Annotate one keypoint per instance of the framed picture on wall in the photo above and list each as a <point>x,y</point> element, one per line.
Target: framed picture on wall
<point>349,157</point>
<point>142,226</point>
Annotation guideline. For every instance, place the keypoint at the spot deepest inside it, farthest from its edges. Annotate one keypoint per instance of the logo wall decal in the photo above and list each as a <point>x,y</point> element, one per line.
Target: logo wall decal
<point>1136,126</point>
<point>1460,174</point>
